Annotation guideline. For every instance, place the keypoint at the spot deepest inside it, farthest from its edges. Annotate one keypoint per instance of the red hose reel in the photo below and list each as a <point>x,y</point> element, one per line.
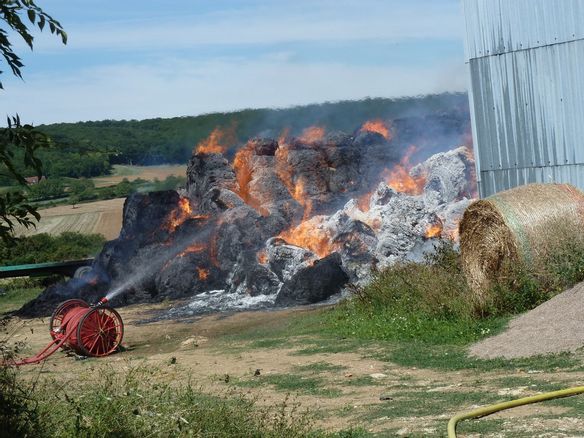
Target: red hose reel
<point>93,331</point>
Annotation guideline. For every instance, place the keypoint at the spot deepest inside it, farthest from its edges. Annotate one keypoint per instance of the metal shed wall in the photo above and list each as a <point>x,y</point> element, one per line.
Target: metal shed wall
<point>526,91</point>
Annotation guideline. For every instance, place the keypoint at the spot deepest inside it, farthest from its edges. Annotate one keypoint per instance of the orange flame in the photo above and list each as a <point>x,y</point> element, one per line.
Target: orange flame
<point>180,214</point>
<point>312,134</point>
<point>218,141</point>
<point>197,247</point>
<point>243,167</point>
<point>203,273</point>
<point>262,257</point>
<point>377,126</point>
<point>363,202</point>
<point>283,138</point>
<point>302,198</point>
<point>399,177</point>
<point>307,235</point>
<point>295,188</point>
<point>433,231</point>
<point>243,171</point>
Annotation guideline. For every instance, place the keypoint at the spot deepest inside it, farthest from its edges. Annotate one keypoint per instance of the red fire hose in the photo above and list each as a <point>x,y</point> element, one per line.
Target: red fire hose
<point>93,331</point>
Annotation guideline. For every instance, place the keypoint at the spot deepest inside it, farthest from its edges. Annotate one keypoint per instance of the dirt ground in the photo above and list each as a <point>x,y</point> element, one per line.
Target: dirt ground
<point>101,217</point>
<point>346,387</point>
<point>148,173</point>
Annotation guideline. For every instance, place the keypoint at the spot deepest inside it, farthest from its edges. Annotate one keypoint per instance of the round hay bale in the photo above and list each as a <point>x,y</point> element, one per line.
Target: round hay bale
<point>520,227</point>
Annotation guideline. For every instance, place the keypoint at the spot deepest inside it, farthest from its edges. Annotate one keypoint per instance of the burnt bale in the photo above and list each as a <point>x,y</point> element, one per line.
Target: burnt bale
<point>338,139</point>
<point>187,274</point>
<point>207,171</point>
<point>239,229</point>
<point>145,213</point>
<point>344,163</point>
<point>448,177</point>
<point>378,154</point>
<point>264,146</point>
<point>268,191</point>
<point>356,242</point>
<point>218,200</point>
<point>252,279</point>
<point>314,283</point>
<point>285,260</point>
<point>152,219</point>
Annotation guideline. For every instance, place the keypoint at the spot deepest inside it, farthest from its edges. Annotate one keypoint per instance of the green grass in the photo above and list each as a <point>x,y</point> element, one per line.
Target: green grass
<point>454,358</point>
<point>422,403</point>
<point>362,381</point>
<point>443,345</point>
<point>291,383</point>
<point>327,345</point>
<point>15,293</point>
<point>319,367</point>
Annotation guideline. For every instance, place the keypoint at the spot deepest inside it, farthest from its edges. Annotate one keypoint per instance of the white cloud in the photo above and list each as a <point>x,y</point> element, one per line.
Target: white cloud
<point>272,22</point>
<point>175,87</point>
<point>156,83</point>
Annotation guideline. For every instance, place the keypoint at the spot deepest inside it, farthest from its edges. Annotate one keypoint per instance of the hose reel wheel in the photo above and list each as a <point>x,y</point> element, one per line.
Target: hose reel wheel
<point>60,312</point>
<point>99,332</point>
<point>88,330</point>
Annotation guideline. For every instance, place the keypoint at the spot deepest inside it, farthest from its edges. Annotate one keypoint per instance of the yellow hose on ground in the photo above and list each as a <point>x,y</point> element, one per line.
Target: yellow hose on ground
<point>488,410</point>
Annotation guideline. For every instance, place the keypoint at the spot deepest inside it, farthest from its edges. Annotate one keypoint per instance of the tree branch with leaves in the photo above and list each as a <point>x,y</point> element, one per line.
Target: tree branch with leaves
<point>19,142</point>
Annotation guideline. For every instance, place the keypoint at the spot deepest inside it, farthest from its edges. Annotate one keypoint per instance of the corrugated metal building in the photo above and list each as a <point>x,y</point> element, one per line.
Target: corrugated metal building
<point>526,63</point>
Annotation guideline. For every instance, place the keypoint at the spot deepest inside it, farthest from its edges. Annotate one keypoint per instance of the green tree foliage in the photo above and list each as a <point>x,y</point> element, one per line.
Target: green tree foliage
<point>11,14</point>
<point>14,208</point>
<point>43,247</point>
<point>78,186</point>
<point>20,142</point>
<point>47,189</point>
<point>59,163</point>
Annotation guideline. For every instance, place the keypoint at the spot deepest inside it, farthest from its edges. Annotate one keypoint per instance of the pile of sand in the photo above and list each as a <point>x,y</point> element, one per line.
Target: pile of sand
<point>555,326</point>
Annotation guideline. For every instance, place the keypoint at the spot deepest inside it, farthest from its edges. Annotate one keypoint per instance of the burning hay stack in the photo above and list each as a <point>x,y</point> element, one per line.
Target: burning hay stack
<point>283,222</point>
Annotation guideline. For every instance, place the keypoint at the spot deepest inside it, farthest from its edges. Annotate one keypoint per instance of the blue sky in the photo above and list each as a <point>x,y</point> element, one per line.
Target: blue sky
<point>139,59</point>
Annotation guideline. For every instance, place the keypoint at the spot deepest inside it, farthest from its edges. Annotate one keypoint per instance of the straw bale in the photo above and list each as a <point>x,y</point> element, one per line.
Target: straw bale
<point>520,227</point>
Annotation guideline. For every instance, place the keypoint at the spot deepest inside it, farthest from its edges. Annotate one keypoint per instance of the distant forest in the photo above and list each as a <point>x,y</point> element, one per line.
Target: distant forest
<point>87,149</point>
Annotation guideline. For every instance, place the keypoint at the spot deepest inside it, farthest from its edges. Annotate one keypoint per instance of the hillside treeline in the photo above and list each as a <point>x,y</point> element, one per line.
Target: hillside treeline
<point>87,149</point>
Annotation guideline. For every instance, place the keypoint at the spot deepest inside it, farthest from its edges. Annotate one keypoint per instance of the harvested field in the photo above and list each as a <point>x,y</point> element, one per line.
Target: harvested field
<point>555,326</point>
<point>100,217</point>
<point>148,173</point>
